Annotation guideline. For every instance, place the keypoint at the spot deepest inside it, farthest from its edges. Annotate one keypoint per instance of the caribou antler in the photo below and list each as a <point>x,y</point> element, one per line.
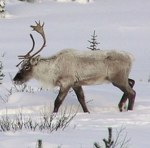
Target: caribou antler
<point>28,54</point>
<point>38,28</point>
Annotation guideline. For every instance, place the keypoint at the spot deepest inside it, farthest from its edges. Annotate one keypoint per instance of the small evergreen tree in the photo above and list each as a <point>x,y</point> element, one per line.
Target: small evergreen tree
<point>121,140</point>
<point>2,6</point>
<point>93,42</point>
<point>1,73</point>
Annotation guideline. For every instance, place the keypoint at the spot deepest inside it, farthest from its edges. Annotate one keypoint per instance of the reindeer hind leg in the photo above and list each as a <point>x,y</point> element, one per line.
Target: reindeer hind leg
<point>129,93</point>
<point>124,98</point>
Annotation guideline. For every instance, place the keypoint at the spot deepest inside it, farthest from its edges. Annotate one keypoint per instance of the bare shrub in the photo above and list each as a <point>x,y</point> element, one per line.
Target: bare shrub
<point>17,88</point>
<point>46,122</point>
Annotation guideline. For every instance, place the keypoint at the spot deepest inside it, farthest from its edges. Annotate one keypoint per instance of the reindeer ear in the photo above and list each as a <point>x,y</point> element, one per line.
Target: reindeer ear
<point>35,60</point>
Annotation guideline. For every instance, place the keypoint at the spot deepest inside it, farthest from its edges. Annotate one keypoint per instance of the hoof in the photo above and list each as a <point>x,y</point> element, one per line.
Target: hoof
<point>122,107</point>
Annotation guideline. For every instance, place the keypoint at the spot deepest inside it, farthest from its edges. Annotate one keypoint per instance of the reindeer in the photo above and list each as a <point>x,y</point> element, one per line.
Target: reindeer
<point>73,69</point>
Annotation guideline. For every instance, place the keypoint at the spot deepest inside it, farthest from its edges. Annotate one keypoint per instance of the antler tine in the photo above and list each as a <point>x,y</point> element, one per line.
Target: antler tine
<point>39,28</point>
<point>19,63</point>
<point>28,54</point>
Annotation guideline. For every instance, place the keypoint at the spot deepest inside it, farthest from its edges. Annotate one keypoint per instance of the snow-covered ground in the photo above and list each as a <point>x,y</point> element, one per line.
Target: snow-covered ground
<point>120,25</point>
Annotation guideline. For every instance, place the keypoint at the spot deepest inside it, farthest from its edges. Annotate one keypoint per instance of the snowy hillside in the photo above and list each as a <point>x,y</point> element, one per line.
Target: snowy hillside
<point>120,25</point>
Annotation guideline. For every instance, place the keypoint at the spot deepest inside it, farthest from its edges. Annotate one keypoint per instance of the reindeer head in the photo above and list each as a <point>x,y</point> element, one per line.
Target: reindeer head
<point>29,61</point>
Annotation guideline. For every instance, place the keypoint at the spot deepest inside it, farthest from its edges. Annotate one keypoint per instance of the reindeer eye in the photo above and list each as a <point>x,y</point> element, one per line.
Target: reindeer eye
<point>27,67</point>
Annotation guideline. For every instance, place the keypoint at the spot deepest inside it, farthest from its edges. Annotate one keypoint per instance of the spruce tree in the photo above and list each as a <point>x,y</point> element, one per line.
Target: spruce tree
<point>1,73</point>
<point>93,42</point>
<point>2,6</point>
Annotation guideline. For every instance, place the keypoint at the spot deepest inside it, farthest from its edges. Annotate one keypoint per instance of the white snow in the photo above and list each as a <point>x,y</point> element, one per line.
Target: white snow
<point>122,25</point>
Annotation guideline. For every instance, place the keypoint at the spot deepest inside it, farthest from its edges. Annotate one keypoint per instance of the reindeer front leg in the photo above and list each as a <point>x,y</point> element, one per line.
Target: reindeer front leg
<point>60,98</point>
<point>80,95</point>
